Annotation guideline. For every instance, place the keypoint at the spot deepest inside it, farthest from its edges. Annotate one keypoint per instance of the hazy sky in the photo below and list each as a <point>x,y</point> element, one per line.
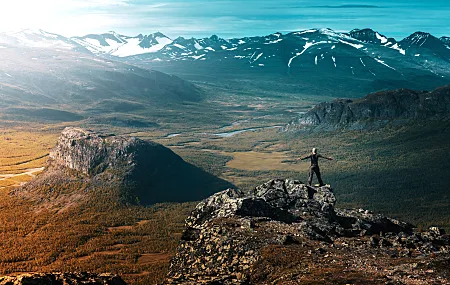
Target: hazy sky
<point>226,18</point>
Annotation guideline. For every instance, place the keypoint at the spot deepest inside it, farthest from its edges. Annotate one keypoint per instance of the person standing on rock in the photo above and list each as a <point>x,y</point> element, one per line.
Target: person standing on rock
<point>314,156</point>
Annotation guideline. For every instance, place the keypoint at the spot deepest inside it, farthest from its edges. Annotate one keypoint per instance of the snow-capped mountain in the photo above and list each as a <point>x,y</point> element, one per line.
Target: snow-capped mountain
<point>368,41</point>
<point>121,46</point>
<point>364,51</point>
<point>38,38</point>
<point>362,59</point>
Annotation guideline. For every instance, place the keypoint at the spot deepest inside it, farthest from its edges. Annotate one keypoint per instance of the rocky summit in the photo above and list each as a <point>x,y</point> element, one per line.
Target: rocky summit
<point>62,278</point>
<point>286,232</point>
<point>89,166</point>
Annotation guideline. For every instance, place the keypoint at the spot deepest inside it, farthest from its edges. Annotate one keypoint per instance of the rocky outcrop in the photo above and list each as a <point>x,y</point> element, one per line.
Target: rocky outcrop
<point>62,278</point>
<point>87,166</point>
<point>376,110</point>
<point>228,235</point>
<point>91,153</point>
<point>370,36</point>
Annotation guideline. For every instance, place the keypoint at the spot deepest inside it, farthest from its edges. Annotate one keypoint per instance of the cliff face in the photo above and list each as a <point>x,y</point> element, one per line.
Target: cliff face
<point>87,166</point>
<point>376,110</point>
<point>288,232</point>
<point>90,153</point>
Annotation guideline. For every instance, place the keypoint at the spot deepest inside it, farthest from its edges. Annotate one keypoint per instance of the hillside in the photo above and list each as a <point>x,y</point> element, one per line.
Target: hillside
<point>57,85</point>
<point>377,110</point>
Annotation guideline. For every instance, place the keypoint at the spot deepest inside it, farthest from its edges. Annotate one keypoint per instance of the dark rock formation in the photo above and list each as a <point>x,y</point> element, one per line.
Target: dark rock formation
<point>62,278</point>
<point>376,110</point>
<point>85,165</point>
<point>228,235</point>
<point>371,36</point>
<point>445,40</point>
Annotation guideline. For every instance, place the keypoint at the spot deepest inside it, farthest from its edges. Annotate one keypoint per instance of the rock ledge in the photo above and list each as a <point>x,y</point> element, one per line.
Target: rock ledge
<point>227,234</point>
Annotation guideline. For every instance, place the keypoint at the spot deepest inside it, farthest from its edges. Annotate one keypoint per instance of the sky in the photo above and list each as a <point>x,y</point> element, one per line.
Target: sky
<point>225,18</point>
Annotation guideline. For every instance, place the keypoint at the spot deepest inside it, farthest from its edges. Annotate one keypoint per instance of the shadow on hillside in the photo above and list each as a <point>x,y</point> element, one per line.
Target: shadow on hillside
<point>163,176</point>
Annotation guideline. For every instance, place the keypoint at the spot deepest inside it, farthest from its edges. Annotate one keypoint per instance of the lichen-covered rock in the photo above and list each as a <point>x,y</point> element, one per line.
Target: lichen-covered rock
<point>227,233</point>
<point>62,278</point>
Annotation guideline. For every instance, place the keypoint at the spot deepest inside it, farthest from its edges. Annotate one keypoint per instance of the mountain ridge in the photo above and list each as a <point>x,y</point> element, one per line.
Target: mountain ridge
<point>147,41</point>
<point>376,110</point>
<point>362,59</point>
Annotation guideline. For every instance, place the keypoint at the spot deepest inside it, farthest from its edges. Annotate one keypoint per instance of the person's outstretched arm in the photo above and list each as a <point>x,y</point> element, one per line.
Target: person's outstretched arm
<point>303,158</point>
<point>326,157</point>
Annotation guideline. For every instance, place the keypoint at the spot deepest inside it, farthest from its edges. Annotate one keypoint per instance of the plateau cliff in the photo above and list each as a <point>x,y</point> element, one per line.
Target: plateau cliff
<point>87,166</point>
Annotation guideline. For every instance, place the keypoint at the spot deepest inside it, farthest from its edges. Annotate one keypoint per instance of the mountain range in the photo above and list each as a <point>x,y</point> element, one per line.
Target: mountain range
<point>316,61</point>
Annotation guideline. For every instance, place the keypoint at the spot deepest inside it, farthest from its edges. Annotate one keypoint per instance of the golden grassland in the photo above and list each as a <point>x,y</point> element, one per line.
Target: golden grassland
<point>23,153</point>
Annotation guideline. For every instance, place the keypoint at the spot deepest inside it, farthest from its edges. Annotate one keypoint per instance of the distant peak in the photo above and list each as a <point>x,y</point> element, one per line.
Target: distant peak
<point>159,35</point>
<point>365,30</point>
<point>214,37</point>
<point>419,35</point>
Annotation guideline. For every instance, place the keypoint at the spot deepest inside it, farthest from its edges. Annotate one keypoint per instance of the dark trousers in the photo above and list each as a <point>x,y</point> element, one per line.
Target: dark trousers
<point>312,170</point>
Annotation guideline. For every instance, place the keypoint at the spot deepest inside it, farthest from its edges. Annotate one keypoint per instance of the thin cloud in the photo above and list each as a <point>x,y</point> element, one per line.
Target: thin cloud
<point>347,6</point>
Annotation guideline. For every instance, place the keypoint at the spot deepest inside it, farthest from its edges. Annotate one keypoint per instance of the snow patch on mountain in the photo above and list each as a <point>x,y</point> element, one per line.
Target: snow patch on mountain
<point>198,56</point>
<point>305,32</point>
<point>362,61</point>
<point>257,57</point>
<point>357,46</point>
<point>383,63</point>
<point>396,47</point>
<point>179,46</point>
<point>273,42</point>
<point>132,47</point>
<point>381,38</point>
<point>198,46</point>
<point>305,47</point>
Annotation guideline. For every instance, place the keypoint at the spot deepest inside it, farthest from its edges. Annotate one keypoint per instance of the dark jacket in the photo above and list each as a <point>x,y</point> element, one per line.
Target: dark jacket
<point>314,159</point>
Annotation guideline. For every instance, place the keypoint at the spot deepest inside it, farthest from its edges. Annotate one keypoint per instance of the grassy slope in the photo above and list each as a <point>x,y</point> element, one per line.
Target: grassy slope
<point>402,172</point>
